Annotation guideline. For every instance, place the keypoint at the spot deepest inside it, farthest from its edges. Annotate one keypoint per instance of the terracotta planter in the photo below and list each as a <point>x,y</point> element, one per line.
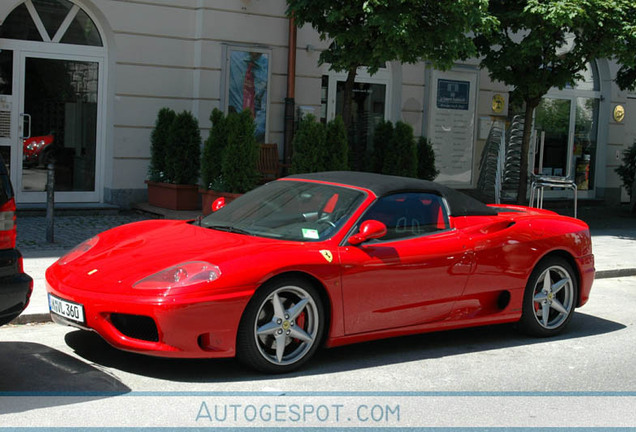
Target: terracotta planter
<point>172,196</point>
<point>209,196</point>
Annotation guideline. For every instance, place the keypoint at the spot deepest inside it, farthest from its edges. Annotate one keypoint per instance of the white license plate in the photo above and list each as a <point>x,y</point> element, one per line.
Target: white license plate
<point>69,310</point>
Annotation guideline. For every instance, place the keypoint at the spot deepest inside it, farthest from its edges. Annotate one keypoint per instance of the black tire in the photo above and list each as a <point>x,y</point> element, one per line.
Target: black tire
<point>549,299</point>
<point>280,310</point>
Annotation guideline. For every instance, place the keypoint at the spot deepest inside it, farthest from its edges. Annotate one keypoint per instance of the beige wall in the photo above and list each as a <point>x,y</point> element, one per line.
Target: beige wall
<point>171,53</point>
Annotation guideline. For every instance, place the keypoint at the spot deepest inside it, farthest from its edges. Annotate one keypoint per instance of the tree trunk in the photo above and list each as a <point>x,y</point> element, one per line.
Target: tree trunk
<point>525,148</point>
<point>347,117</point>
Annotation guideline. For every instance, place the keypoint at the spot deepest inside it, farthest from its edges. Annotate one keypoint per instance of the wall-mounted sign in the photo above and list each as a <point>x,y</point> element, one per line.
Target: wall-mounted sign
<point>498,103</point>
<point>619,113</point>
<point>453,94</point>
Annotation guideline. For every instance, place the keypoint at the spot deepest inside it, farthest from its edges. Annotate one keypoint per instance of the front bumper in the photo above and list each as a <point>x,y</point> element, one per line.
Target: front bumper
<point>587,272</point>
<point>192,327</point>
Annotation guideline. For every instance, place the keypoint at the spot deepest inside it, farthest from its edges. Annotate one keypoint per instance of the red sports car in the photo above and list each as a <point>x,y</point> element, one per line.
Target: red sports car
<point>323,259</point>
<point>37,150</point>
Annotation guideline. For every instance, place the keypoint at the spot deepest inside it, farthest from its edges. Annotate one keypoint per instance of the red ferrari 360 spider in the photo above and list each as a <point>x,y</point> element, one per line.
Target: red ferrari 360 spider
<point>323,259</point>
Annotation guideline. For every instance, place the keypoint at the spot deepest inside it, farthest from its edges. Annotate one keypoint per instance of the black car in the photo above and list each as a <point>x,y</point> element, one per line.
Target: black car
<point>15,285</point>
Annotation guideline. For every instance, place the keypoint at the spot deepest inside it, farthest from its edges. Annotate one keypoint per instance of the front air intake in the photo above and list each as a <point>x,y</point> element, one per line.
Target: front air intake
<point>136,326</point>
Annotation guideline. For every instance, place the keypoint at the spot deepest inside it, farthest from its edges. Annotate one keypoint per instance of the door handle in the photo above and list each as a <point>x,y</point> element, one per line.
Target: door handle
<point>26,117</point>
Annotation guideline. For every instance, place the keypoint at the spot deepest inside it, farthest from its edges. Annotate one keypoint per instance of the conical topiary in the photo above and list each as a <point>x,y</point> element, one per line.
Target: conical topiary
<point>240,156</point>
<point>213,150</point>
<point>183,151</point>
<point>159,143</point>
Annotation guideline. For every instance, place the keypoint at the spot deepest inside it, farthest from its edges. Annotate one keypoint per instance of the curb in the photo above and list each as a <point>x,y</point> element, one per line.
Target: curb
<point>609,274</point>
<point>39,318</point>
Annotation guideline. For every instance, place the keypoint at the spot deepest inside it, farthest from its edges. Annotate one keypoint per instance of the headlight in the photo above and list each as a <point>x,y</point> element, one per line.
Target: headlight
<point>79,250</point>
<point>181,275</point>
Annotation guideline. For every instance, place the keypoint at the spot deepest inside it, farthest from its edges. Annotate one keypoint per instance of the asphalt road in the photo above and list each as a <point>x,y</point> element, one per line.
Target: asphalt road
<point>52,375</point>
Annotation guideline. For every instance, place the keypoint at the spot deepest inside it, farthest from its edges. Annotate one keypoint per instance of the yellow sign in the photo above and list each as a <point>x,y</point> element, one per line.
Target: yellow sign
<point>498,103</point>
<point>327,255</point>
<point>619,113</point>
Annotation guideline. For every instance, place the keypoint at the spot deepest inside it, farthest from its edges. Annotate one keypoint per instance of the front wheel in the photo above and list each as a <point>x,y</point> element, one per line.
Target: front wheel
<point>549,299</point>
<point>282,326</point>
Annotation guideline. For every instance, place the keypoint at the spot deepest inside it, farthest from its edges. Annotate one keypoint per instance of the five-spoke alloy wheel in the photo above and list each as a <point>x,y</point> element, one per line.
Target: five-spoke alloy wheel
<point>550,298</point>
<point>282,326</point>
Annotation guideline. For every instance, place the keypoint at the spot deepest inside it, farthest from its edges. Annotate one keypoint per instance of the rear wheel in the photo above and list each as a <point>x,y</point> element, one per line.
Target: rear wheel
<point>549,299</point>
<point>282,326</point>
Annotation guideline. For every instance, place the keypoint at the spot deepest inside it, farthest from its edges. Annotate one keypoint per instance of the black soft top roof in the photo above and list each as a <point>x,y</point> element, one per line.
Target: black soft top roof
<point>459,203</point>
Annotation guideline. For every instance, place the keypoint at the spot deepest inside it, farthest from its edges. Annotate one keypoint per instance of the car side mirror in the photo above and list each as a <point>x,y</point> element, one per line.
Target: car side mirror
<point>370,229</point>
<point>218,204</point>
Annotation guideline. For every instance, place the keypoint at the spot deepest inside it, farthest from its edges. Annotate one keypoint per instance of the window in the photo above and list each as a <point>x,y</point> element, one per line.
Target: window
<point>248,75</point>
<point>58,21</point>
<point>410,214</point>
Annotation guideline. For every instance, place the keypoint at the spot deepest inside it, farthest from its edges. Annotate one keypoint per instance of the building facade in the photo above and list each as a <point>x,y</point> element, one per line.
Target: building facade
<point>82,81</point>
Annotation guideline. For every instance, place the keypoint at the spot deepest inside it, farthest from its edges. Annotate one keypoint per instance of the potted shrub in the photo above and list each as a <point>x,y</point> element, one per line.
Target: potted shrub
<point>400,156</point>
<point>309,146</point>
<point>177,162</point>
<point>426,160</point>
<point>158,143</point>
<point>229,158</point>
<point>337,146</point>
<point>381,138</point>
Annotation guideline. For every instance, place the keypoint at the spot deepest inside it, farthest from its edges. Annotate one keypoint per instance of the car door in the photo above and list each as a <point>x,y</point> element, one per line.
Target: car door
<point>412,275</point>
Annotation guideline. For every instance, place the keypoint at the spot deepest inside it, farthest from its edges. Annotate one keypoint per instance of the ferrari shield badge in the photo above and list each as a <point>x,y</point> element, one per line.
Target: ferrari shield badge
<point>327,255</point>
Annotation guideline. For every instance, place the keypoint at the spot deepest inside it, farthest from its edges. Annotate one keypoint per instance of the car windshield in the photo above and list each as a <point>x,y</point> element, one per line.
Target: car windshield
<point>288,210</point>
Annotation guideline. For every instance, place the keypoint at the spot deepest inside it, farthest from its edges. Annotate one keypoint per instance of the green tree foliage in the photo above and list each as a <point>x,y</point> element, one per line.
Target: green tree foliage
<point>539,44</point>
<point>426,160</point>
<point>627,170</point>
<point>183,150</point>
<point>213,149</point>
<point>337,145</point>
<point>240,156</point>
<point>401,155</point>
<point>159,143</point>
<point>381,138</point>
<point>309,146</point>
<point>372,32</point>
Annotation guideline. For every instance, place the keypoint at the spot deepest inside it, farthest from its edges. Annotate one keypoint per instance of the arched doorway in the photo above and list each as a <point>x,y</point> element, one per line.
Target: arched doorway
<point>568,120</point>
<point>52,68</point>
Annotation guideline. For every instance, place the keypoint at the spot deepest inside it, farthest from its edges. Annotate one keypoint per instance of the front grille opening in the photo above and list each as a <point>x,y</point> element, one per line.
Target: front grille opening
<point>136,326</point>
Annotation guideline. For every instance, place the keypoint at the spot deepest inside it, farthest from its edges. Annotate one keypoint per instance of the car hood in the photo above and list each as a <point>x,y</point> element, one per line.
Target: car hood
<point>127,254</point>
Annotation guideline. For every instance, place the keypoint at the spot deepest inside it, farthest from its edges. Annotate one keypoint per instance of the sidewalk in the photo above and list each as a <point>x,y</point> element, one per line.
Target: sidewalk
<point>613,236</point>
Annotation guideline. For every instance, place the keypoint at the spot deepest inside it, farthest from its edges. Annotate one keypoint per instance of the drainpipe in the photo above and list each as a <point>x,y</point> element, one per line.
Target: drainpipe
<point>289,100</point>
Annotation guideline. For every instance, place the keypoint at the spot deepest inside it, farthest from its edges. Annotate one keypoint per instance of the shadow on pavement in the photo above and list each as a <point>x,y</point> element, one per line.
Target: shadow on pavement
<point>358,356</point>
<point>36,376</point>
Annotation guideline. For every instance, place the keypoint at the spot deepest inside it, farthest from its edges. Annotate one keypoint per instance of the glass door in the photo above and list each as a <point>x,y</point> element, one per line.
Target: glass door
<point>569,127</point>
<point>7,135</point>
<point>370,105</point>
<point>367,110</point>
<point>552,123</point>
<point>59,114</point>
